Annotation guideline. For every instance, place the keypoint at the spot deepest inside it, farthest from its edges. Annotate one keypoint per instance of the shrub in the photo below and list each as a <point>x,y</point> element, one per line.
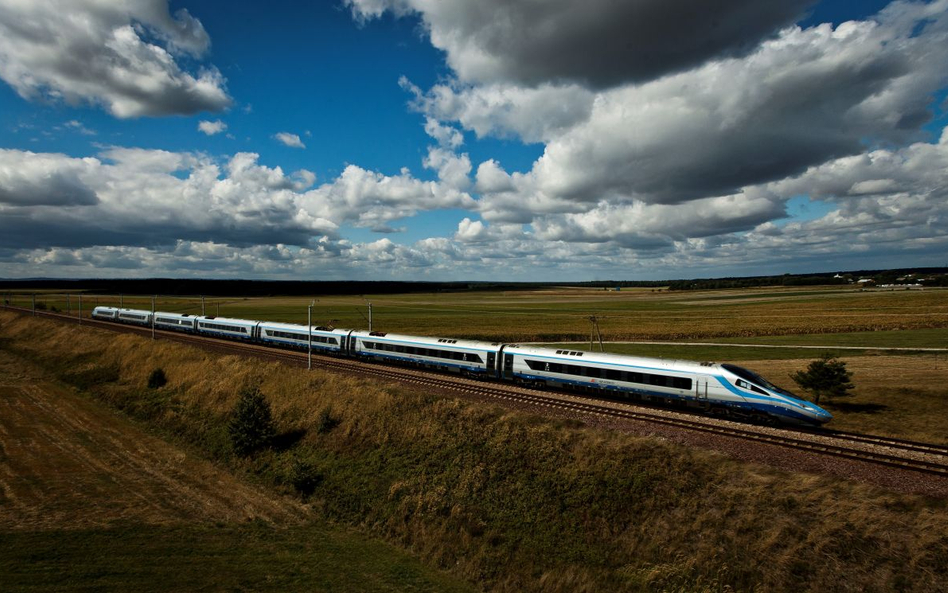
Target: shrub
<point>251,426</point>
<point>157,379</point>
<point>825,376</point>
<point>326,421</point>
<point>304,477</point>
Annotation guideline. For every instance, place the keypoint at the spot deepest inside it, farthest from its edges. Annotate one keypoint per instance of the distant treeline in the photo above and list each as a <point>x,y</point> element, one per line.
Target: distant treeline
<point>925,276</point>
<point>251,288</point>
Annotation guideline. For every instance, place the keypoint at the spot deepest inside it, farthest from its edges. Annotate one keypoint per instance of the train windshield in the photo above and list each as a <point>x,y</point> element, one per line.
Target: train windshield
<point>755,378</point>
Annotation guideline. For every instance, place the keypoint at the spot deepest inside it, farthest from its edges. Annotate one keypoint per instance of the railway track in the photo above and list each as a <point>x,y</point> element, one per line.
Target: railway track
<point>886,451</point>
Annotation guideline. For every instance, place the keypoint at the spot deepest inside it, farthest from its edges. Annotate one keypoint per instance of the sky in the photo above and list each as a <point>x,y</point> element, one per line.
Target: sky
<point>452,140</point>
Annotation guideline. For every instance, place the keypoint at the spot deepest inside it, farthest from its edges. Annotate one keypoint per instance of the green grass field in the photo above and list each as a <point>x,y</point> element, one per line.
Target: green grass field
<point>250,557</point>
<point>904,319</point>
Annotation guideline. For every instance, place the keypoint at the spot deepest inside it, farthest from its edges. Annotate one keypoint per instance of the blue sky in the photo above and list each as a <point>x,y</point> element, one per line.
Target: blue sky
<point>398,139</point>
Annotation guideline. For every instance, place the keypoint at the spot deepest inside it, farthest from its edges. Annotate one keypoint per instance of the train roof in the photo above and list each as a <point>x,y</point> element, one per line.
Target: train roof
<point>429,340</point>
<point>581,356</point>
<point>298,327</point>
<point>227,319</point>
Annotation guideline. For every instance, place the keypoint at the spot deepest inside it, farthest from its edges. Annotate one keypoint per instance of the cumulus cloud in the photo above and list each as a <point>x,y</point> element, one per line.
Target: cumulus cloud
<point>287,139</point>
<point>138,197</point>
<point>597,43</point>
<point>30,179</point>
<point>804,98</point>
<point>502,110</point>
<point>123,56</point>
<point>446,136</point>
<point>690,170</point>
<point>211,127</point>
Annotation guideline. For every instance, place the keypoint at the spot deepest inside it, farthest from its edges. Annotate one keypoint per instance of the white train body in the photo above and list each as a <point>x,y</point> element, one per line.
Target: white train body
<point>105,313</point>
<point>226,327</point>
<point>295,336</point>
<point>131,316</point>
<point>723,387</point>
<point>719,388</point>
<point>175,321</point>
<point>463,356</point>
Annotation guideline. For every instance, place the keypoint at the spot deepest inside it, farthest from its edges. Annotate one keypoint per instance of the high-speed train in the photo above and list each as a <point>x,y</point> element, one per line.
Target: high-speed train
<point>722,389</point>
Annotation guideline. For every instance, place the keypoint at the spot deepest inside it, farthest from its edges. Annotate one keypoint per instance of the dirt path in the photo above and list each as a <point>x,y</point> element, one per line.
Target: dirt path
<point>69,462</point>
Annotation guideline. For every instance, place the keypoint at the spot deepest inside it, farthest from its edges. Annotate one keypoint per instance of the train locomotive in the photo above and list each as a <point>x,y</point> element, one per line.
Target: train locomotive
<point>721,389</point>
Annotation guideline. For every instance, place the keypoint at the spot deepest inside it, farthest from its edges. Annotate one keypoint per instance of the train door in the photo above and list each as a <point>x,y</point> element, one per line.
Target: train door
<point>491,363</point>
<point>508,364</point>
<point>701,388</point>
<point>348,344</point>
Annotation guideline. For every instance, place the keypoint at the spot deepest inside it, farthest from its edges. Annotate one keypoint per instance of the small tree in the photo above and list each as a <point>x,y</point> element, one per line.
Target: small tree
<point>157,379</point>
<point>825,376</point>
<point>251,426</point>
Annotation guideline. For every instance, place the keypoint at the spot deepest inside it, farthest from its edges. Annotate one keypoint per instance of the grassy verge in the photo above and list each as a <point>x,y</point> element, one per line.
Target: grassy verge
<point>217,558</point>
<point>509,501</point>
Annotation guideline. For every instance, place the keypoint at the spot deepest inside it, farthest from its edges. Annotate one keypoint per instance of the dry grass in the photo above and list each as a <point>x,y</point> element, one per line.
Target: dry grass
<point>519,503</point>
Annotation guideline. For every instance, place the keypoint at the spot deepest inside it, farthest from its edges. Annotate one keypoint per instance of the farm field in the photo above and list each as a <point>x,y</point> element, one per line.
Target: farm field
<point>632,314</point>
<point>504,500</point>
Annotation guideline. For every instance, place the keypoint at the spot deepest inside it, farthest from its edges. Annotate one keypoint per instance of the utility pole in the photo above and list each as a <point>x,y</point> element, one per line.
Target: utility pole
<point>309,334</point>
<point>594,326</point>
<point>153,317</point>
<point>370,316</point>
<point>203,313</point>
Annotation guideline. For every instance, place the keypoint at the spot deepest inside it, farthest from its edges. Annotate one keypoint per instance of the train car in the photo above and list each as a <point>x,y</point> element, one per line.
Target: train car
<point>105,313</point>
<point>766,398</point>
<point>225,327</point>
<point>290,335</point>
<point>175,321</point>
<point>726,389</point>
<point>134,317</point>
<point>467,357</point>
